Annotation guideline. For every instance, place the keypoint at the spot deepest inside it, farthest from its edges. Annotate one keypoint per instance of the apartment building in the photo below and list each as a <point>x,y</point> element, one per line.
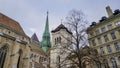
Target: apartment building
<point>104,36</point>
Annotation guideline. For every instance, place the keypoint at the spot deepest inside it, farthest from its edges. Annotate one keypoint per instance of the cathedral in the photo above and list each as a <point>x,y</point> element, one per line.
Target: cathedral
<point>17,50</point>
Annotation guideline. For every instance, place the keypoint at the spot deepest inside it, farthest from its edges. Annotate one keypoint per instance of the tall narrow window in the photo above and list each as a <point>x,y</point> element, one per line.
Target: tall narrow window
<point>97,32</point>
<point>110,27</point>
<point>93,42</point>
<point>105,63</point>
<point>55,41</point>
<point>3,52</point>
<point>117,47</point>
<point>59,39</point>
<point>106,38</point>
<point>113,36</point>
<point>19,59</point>
<point>58,61</point>
<point>109,48</point>
<point>114,64</point>
<point>103,29</point>
<point>99,40</point>
<point>102,50</point>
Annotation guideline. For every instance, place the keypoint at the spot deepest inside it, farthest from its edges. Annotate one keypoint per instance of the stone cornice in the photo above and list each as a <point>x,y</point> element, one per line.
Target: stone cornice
<point>12,38</point>
<point>1,25</point>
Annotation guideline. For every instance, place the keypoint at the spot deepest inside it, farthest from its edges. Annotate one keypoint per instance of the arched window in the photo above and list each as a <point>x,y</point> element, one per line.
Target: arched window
<point>19,59</point>
<point>105,63</point>
<point>3,52</point>
<point>55,41</point>
<point>59,39</point>
<point>58,61</point>
<point>114,64</point>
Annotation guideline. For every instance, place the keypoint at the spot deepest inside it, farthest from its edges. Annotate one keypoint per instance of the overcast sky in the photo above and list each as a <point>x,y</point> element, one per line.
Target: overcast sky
<point>31,14</point>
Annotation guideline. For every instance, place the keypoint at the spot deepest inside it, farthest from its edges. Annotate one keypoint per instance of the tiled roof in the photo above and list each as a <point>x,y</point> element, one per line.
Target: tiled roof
<point>10,23</point>
<point>34,37</point>
<point>61,26</point>
<point>37,49</point>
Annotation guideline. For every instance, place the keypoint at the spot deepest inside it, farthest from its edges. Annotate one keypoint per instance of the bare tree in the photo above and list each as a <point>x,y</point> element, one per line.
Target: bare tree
<point>77,24</point>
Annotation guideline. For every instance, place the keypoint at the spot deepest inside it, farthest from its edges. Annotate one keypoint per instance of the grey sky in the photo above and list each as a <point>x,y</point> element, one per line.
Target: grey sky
<point>31,14</point>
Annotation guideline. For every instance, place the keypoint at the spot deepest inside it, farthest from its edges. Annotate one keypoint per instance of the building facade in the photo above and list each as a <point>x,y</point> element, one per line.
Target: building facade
<point>104,36</point>
<point>17,50</point>
<point>60,47</point>
<point>14,44</point>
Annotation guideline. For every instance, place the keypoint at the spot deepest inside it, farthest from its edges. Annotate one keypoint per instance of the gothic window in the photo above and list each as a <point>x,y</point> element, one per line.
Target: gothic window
<point>114,64</point>
<point>58,61</point>
<point>19,58</point>
<point>113,36</point>
<point>59,39</point>
<point>55,41</point>
<point>3,52</point>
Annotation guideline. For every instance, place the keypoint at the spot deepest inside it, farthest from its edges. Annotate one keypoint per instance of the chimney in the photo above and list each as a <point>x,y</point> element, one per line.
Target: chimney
<point>109,11</point>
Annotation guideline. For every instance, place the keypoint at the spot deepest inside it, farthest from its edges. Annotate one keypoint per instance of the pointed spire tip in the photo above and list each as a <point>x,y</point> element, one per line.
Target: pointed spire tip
<point>47,12</point>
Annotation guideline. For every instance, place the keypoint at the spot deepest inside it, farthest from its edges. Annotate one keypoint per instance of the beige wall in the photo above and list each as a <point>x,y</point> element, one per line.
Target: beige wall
<point>58,48</point>
<point>115,29</point>
<point>11,59</point>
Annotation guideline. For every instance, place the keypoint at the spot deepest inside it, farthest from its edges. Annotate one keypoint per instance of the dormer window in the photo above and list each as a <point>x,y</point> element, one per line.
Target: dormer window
<point>117,24</point>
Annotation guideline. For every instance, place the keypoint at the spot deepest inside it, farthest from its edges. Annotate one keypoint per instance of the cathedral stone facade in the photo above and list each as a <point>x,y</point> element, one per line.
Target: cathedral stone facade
<point>14,44</point>
<point>17,50</point>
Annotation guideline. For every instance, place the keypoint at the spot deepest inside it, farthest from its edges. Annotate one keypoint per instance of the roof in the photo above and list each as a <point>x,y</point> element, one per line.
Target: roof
<point>34,37</point>
<point>109,19</point>
<point>10,23</point>
<point>37,49</point>
<point>61,26</point>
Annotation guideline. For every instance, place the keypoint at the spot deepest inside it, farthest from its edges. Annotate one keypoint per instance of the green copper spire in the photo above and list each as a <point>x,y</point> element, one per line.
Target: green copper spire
<point>46,44</point>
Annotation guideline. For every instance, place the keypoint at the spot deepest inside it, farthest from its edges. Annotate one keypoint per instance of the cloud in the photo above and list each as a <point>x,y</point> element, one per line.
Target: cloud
<point>33,30</point>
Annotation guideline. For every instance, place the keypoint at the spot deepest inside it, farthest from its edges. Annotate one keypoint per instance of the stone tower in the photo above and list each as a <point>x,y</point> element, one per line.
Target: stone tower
<point>46,44</point>
<point>59,48</point>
